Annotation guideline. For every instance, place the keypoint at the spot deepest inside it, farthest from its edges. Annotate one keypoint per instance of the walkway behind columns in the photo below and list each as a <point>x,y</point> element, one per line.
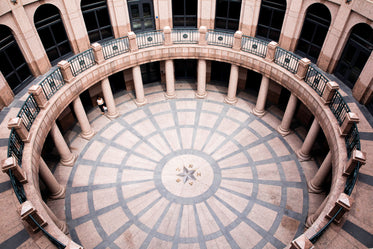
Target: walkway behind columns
<point>355,233</point>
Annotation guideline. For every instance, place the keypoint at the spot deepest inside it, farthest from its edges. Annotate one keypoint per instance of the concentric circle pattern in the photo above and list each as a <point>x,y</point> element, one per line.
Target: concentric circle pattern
<point>186,173</point>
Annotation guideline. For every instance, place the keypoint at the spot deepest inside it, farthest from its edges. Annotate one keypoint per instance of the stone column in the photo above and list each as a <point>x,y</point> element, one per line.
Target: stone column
<point>87,131</point>
<point>109,99</point>
<point>284,127</point>
<point>201,81</point>
<point>139,88</point>
<point>170,80</point>
<point>232,87</point>
<point>315,185</point>
<point>67,157</point>
<point>363,88</point>
<point>289,36</point>
<point>59,223</point>
<point>6,93</point>
<point>304,153</point>
<point>262,97</point>
<point>56,190</point>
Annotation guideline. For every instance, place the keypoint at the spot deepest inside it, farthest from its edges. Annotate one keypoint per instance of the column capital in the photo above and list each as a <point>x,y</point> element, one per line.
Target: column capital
<point>345,127</point>
<point>97,53</point>
<point>11,164</point>
<point>39,96</point>
<point>357,156</point>
<point>132,41</point>
<point>271,51</point>
<point>66,72</point>
<point>202,35</point>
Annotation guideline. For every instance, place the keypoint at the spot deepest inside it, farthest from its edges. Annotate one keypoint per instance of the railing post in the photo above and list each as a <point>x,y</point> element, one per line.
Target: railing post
<point>271,51</point>
<point>302,242</point>
<point>357,156</point>
<point>66,72</point>
<point>202,35</point>
<point>11,164</point>
<point>344,201</point>
<point>167,36</point>
<point>132,42</point>
<point>302,68</point>
<point>28,209</point>
<point>237,41</point>
<point>39,96</point>
<point>97,53</point>
<point>20,128</point>
<point>350,119</point>
<point>73,245</point>
<point>330,88</point>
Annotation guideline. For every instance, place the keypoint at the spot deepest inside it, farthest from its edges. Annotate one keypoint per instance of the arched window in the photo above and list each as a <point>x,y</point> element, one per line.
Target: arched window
<point>314,30</point>
<point>184,13</point>
<point>227,14</point>
<point>96,18</point>
<point>355,54</point>
<point>271,17</point>
<point>12,63</point>
<point>52,33</point>
<point>141,15</point>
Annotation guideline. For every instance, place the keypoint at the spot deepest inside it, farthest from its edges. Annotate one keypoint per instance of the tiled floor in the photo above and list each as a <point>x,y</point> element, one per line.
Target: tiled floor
<point>185,173</point>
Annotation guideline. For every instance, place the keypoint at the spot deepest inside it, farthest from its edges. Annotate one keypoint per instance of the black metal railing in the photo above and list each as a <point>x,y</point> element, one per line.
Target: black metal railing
<point>52,83</point>
<point>115,47</point>
<point>339,107</point>
<point>352,140</point>
<point>287,60</point>
<point>220,38</point>
<point>185,36</point>
<point>150,39</point>
<point>81,62</point>
<point>29,111</point>
<point>15,146</point>
<point>254,45</point>
<point>316,79</point>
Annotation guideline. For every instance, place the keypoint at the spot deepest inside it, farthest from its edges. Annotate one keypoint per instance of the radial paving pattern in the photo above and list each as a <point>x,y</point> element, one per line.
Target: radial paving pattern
<point>186,173</point>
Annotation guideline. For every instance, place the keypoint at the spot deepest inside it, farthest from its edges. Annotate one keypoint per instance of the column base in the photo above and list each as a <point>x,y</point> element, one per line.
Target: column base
<point>303,157</point>
<point>283,131</point>
<point>141,103</point>
<point>258,113</point>
<point>113,115</point>
<point>70,161</point>
<point>170,96</point>
<point>63,227</point>
<point>230,101</point>
<point>59,195</point>
<point>201,96</point>
<point>310,220</point>
<point>88,135</point>
<point>314,189</point>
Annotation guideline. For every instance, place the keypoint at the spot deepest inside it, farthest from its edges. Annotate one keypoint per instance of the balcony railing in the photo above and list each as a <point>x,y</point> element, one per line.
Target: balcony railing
<point>85,60</point>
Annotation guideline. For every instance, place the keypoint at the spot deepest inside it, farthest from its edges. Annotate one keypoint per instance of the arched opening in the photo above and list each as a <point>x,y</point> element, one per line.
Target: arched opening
<point>185,69</point>
<point>271,18</point>
<point>13,65</point>
<point>314,30</point>
<point>184,13</point>
<point>227,14</point>
<point>52,33</point>
<point>141,15</point>
<point>355,54</point>
<point>97,20</point>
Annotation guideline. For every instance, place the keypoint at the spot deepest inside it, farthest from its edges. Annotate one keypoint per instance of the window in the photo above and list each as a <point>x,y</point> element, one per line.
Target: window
<point>314,30</point>
<point>141,14</point>
<point>227,14</point>
<point>184,13</point>
<point>271,18</point>
<point>13,65</point>
<point>52,33</point>
<point>97,21</point>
